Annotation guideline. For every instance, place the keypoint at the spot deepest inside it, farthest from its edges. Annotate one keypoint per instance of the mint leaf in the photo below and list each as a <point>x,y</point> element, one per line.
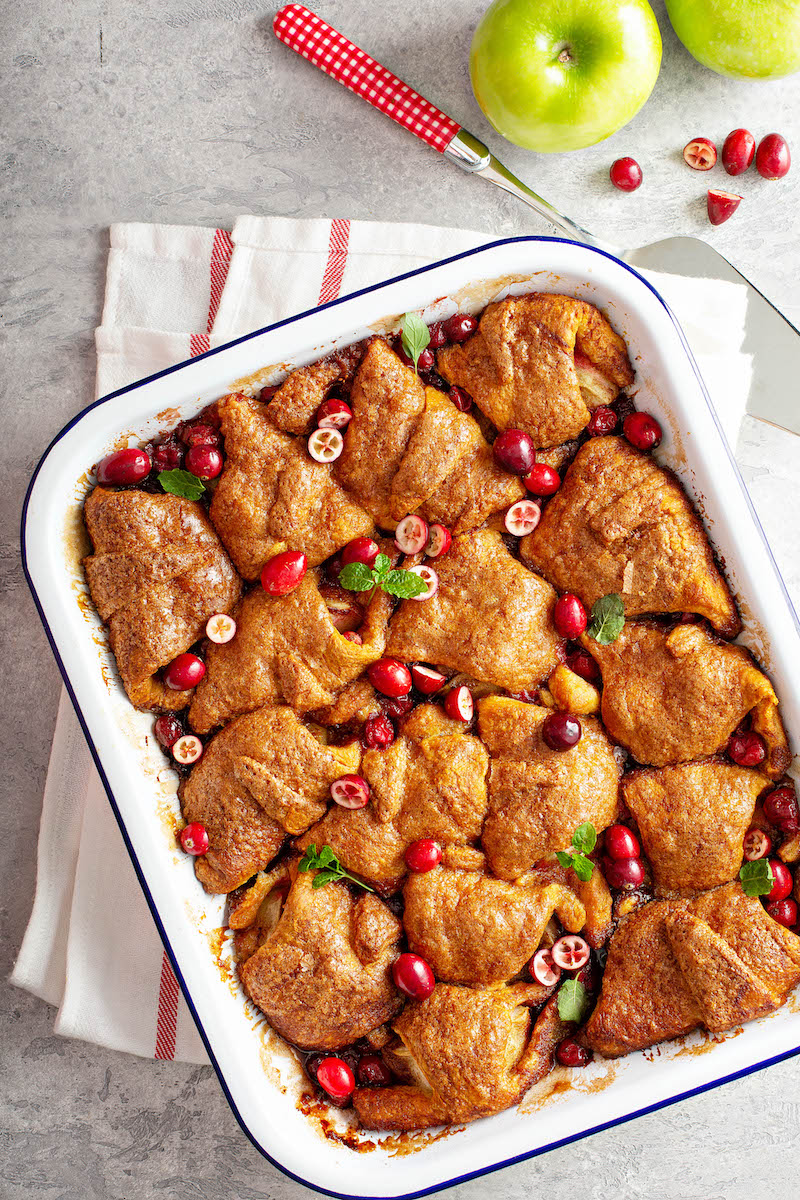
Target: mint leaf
<point>757,878</point>
<point>572,1001</point>
<point>328,868</point>
<point>404,584</point>
<point>323,877</point>
<point>182,483</point>
<point>381,564</point>
<point>416,336</point>
<point>356,577</point>
<point>564,858</point>
<point>584,838</point>
<point>583,867</point>
<point>309,858</point>
<point>608,617</point>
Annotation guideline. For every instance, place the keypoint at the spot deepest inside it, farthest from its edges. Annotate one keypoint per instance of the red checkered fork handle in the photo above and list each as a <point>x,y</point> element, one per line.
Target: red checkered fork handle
<point>316,40</point>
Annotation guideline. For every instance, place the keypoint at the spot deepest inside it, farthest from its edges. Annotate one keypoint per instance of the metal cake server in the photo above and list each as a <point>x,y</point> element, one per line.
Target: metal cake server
<point>772,340</point>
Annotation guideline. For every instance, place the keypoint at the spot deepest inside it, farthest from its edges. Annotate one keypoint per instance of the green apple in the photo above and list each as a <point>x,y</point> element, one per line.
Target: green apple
<point>556,75</point>
<point>748,39</point>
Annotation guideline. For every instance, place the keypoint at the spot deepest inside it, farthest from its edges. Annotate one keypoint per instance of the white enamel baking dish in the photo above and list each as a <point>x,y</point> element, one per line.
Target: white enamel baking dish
<point>258,1075</point>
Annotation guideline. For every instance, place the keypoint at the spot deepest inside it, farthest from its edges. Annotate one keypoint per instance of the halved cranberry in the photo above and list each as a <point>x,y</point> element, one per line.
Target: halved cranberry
<point>602,422</point>
<point>514,451</point>
<point>423,855</point>
<point>350,791</point>
<point>426,680</point>
<point>582,663</point>
<point>458,704</point>
<point>522,518</point>
<point>561,731</point>
<point>123,467</point>
<point>204,461</point>
<point>396,706</point>
<point>747,749</point>
<point>461,399</point>
<point>411,535</point>
<point>336,1078</point>
<point>781,809</point>
<point>642,430</point>
<point>757,844</point>
<point>167,455</point>
<point>360,550</point>
<point>284,572</point>
<point>429,577</point>
<point>372,1071</point>
<point>543,968</point>
<point>197,433</point>
<point>459,327</point>
<point>784,912</point>
<point>437,335</point>
<point>390,676</point>
<point>194,838</point>
<point>721,205</point>
<point>334,414</point>
<point>700,154</point>
<point>621,843</point>
<point>187,750</point>
<point>439,540</point>
<point>571,952</point>
<point>738,151</point>
<point>220,628</point>
<point>542,480</point>
<point>570,1054</point>
<point>782,881</point>
<point>569,616</point>
<point>325,445</point>
<point>773,159</point>
<point>413,976</point>
<point>625,174</point>
<point>167,729</point>
<point>378,732</point>
<point>623,873</point>
<point>184,672</point>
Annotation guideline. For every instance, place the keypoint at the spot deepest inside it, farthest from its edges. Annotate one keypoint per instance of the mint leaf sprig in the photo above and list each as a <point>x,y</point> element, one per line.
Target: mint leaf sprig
<point>573,1001</point>
<point>415,337</point>
<point>757,877</point>
<point>328,868</point>
<point>607,620</point>
<point>584,840</point>
<point>358,577</point>
<point>182,483</point>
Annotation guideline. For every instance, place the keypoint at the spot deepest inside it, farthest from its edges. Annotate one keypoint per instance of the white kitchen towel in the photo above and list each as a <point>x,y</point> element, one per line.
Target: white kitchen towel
<point>173,292</point>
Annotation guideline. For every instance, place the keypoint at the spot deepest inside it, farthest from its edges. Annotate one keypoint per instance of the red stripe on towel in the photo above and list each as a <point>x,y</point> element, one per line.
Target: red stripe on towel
<point>167,1021</point>
<point>337,257</point>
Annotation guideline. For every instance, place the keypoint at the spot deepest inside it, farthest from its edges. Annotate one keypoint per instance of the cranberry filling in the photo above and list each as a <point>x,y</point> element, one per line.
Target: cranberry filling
<point>459,327</point>
<point>378,733</point>
<point>570,1054</point>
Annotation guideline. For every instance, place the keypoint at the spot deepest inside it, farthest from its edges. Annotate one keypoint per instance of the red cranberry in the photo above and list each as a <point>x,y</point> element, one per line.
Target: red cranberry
<point>200,434</point>
<point>781,809</point>
<point>747,749</point>
<point>426,680</point>
<point>423,855</point>
<point>623,873</point>
<point>184,672</point>
<point>459,703</point>
<point>396,706</point>
<point>621,843</point>
<point>284,572</point>
<point>700,154</point>
<point>390,676</point>
<point>352,636</point>
<point>378,732</point>
<point>739,151</point>
<point>783,882</point>
<point>514,451</point>
<point>625,174</point>
<point>167,455</point>
<point>570,1054</point>
<point>784,912</point>
<point>425,360</point>
<point>123,467</point>
<point>334,414</point>
<point>437,335</point>
<point>167,729</point>
<point>360,550</point>
<point>642,430</point>
<point>561,731</point>
<point>602,422</point>
<point>194,838</point>
<point>372,1071</point>
<point>459,327</point>
<point>336,1078</point>
<point>569,616</point>
<point>204,461</point>
<point>413,976</point>
<point>582,663</point>
<point>721,205</point>
<point>461,399</point>
<point>773,159</point>
<point>542,480</point>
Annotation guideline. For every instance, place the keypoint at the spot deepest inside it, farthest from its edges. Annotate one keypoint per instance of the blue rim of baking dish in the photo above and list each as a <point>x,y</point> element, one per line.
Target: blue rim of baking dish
<point>639,1112</point>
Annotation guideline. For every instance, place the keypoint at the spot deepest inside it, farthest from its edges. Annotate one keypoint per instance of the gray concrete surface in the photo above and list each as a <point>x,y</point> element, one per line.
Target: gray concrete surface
<point>187,111</point>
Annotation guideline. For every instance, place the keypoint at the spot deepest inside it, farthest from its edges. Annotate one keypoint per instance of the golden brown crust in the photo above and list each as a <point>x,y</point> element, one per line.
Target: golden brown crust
<point>294,406</point>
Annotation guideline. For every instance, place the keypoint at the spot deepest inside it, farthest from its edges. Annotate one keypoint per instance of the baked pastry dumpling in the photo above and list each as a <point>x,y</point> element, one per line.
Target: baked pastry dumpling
<point>285,648</point>
<point>322,975</point>
<point>293,408</point>
<point>272,496</point>
<point>671,695</point>
<point>491,617</point>
<point>263,776</point>
<point>693,819</point>
<point>538,796</point>
<point>473,929</point>
<point>593,893</point>
<point>716,961</point>
<point>158,572</point>
<point>472,493</point>
<point>621,523</point>
<point>471,1053</point>
<point>520,365</point>
<point>431,783</point>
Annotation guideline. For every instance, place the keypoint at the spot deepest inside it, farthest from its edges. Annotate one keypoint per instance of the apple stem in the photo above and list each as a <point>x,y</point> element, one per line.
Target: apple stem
<point>565,55</point>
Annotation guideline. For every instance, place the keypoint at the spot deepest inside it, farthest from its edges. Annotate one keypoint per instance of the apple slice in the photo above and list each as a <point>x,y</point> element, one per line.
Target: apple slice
<point>596,388</point>
<point>721,205</point>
